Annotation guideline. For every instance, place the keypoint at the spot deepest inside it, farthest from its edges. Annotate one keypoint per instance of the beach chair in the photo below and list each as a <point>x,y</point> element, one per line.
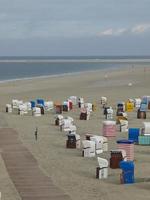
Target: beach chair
<point>49,105</point>
<point>8,108</point>
<point>102,170</point>
<point>59,120</point>
<point>137,103</point>
<point>73,141</point>
<point>98,143</point>
<point>65,106</point>
<point>58,108</point>
<point>141,114</point>
<point>120,106</point>
<point>88,106</point>
<point>40,102</point>
<point>73,99</point>
<point>146,128</point>
<point>105,144</point>
<point>127,175</point>
<point>70,104</point>
<point>88,149</point>
<point>123,125</point>
<point>22,109</point>
<point>36,112</point>
<point>117,156</point>
<point>16,103</point>
<point>81,102</point>
<point>103,101</point>
<point>67,124</point>
<point>109,128</point>
<point>109,113</point>
<point>28,105</point>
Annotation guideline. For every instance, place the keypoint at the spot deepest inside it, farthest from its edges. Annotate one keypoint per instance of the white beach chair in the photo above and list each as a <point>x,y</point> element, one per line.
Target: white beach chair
<point>137,102</point>
<point>103,101</point>
<point>16,103</point>
<point>88,106</point>
<point>146,128</point>
<point>78,141</point>
<point>105,144</point>
<point>60,119</point>
<point>67,123</point>
<point>72,129</point>
<point>81,101</point>
<point>88,114</point>
<point>103,168</point>
<point>28,105</point>
<point>22,109</point>
<point>123,125</point>
<point>109,114</point>
<point>88,148</point>
<point>73,99</point>
<point>8,108</point>
<point>36,112</point>
<point>49,105</point>
<point>98,143</point>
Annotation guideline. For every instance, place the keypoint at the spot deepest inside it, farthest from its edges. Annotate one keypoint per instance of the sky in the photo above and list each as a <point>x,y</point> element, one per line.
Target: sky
<point>74,27</point>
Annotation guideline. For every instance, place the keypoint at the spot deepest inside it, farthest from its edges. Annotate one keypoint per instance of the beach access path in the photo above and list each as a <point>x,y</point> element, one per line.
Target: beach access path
<point>29,180</point>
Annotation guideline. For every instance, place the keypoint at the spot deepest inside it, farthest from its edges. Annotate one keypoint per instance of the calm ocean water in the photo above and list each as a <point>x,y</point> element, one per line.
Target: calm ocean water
<point>28,67</point>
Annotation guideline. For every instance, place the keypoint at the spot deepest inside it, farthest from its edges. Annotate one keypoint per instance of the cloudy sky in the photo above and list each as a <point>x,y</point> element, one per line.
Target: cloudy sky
<point>74,27</point>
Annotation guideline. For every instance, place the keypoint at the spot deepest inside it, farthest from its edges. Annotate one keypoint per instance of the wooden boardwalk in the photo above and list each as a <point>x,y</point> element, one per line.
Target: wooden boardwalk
<point>30,182</point>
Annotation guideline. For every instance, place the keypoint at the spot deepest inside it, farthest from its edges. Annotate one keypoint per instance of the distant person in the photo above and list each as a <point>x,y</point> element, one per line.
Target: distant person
<point>36,133</point>
<point>79,102</point>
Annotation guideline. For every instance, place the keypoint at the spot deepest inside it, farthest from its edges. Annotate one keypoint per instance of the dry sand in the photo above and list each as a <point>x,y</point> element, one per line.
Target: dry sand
<point>71,172</point>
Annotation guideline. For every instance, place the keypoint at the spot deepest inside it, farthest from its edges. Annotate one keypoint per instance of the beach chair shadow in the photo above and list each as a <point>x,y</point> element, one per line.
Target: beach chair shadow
<point>142,183</point>
<point>142,180</point>
<point>113,179</point>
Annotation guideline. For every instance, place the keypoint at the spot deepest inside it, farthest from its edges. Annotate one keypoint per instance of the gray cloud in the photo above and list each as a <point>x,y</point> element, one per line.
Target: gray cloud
<point>94,14</point>
<point>75,20</point>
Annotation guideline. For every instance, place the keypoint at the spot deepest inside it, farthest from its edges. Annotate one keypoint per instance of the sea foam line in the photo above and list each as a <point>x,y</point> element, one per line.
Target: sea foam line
<point>75,60</point>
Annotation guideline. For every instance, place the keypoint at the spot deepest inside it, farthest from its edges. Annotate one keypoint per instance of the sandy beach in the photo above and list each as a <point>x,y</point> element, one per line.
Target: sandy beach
<point>68,170</point>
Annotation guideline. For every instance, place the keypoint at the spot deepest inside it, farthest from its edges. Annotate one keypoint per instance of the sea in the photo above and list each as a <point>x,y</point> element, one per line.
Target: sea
<point>27,67</point>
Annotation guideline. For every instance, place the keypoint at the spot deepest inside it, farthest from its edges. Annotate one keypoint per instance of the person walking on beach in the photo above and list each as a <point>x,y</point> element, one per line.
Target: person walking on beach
<point>36,133</point>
